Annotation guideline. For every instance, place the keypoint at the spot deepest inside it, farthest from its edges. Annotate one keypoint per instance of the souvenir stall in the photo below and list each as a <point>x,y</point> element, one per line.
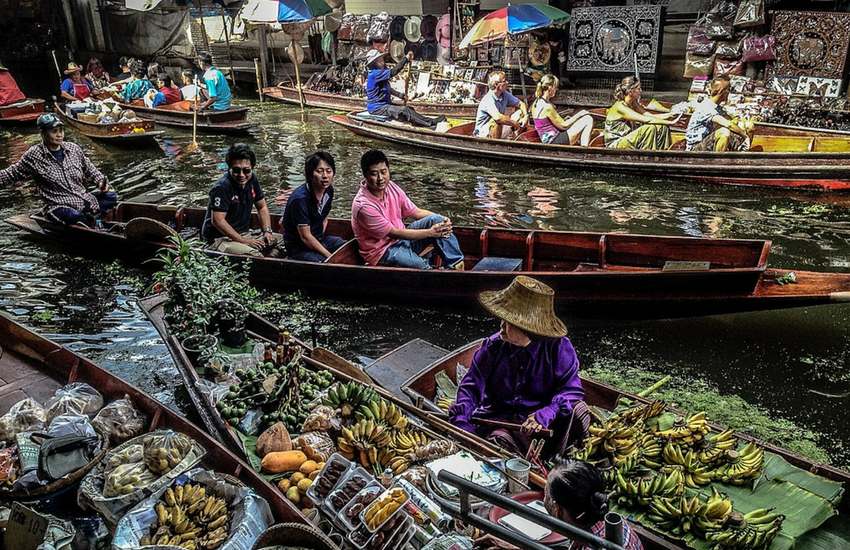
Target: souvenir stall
<point>786,67</point>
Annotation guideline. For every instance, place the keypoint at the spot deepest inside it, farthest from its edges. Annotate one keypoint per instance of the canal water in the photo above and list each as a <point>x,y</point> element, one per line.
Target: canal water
<point>781,375</point>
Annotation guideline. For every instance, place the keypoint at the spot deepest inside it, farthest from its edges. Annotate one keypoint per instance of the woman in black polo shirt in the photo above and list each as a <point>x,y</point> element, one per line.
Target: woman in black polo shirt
<point>306,214</point>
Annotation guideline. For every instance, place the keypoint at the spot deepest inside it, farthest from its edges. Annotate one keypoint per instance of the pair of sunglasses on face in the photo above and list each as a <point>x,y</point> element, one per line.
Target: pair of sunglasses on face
<point>237,171</point>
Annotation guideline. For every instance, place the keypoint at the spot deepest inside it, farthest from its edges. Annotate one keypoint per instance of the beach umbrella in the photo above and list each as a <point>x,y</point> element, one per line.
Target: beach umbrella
<point>284,11</point>
<point>513,20</point>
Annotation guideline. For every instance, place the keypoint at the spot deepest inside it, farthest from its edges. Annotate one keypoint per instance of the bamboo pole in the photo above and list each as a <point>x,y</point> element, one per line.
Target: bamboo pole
<point>229,52</point>
<point>259,85</point>
<point>297,75</point>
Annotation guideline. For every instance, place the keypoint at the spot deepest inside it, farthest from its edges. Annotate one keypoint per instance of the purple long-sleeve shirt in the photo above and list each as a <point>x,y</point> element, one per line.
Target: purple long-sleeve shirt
<point>507,380</point>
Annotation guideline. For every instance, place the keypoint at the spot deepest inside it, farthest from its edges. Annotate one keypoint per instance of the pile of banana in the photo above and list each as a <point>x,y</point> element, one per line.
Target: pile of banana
<point>382,508</point>
<point>640,491</point>
<point>189,518</point>
<point>350,397</point>
<point>381,412</point>
<point>741,466</point>
<point>366,438</point>
<point>754,530</point>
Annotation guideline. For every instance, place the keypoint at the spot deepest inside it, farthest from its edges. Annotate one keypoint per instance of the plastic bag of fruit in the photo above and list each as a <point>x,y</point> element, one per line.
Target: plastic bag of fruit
<point>26,415</point>
<point>127,478</point>
<point>120,421</point>
<point>77,397</point>
<point>165,450</point>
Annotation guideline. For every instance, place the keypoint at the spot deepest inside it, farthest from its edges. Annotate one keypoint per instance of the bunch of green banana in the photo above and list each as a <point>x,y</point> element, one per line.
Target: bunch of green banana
<point>756,529</point>
<point>741,466</point>
<point>712,451</point>
<point>682,516</point>
<point>585,452</point>
<point>366,438</point>
<point>637,412</point>
<point>381,412</point>
<point>718,507</point>
<point>649,451</point>
<point>696,474</point>
<point>686,431</point>
<point>347,398</point>
<point>640,491</point>
<point>188,518</point>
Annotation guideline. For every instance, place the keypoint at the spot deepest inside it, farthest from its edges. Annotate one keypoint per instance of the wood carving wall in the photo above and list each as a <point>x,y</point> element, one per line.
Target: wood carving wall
<point>811,43</point>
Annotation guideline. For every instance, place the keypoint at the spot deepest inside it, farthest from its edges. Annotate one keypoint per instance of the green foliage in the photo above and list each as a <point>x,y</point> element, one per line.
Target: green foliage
<point>201,289</point>
<point>43,316</point>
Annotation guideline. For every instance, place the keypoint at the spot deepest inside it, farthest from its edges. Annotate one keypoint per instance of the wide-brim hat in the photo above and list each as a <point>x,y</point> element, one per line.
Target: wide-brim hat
<point>539,54</point>
<point>412,47</point>
<point>397,50</point>
<point>429,27</point>
<point>73,68</point>
<point>295,52</point>
<point>527,304</point>
<point>333,20</point>
<point>429,50</point>
<point>412,30</point>
<point>372,55</point>
<point>444,55</point>
<point>444,31</point>
<point>397,28</point>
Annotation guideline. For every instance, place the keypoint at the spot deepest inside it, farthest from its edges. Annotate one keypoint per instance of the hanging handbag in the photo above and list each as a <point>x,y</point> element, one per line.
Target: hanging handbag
<point>729,49</point>
<point>63,455</point>
<point>361,28</point>
<point>346,29</point>
<point>698,42</point>
<point>728,67</point>
<point>750,13</point>
<point>696,65</point>
<point>379,29</point>
<point>759,48</point>
<point>719,19</point>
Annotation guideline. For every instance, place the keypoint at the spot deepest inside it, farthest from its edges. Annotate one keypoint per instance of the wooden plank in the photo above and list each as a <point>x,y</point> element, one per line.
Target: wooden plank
<point>392,370</point>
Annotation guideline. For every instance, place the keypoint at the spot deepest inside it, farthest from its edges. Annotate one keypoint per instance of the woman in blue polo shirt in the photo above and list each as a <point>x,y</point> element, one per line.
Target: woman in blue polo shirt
<point>306,214</point>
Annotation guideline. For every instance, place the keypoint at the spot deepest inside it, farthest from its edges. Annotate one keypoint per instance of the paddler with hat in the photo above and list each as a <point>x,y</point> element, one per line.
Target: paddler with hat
<point>9,91</point>
<point>379,94</point>
<point>526,374</point>
<point>75,87</point>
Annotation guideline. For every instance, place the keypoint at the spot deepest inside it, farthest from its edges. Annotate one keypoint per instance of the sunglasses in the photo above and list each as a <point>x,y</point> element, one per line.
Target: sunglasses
<point>246,171</point>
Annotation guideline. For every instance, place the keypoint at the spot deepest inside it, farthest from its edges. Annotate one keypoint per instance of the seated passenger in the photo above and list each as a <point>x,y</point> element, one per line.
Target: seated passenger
<point>527,373</point>
<point>376,217</point>
<point>9,91</point>
<point>124,65</point>
<point>629,126</point>
<point>138,85</point>
<point>711,129</point>
<point>168,89</point>
<point>550,126</point>
<point>227,223</point>
<point>189,89</point>
<point>75,87</point>
<point>379,94</point>
<point>96,75</point>
<point>306,214</point>
<point>490,120</point>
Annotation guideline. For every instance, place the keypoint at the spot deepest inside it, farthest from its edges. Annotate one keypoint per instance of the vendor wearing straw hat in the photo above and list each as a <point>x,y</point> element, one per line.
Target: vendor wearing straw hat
<point>9,91</point>
<point>527,373</point>
<point>75,87</point>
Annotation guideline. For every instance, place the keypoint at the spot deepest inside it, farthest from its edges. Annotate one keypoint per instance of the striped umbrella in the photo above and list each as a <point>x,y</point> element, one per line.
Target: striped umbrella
<point>284,11</point>
<point>513,20</point>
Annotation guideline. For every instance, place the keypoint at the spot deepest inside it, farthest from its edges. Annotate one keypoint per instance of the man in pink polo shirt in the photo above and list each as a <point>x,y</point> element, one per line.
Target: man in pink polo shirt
<point>376,217</point>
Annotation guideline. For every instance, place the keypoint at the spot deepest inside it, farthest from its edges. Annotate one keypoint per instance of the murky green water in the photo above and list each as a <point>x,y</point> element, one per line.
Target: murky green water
<point>780,362</point>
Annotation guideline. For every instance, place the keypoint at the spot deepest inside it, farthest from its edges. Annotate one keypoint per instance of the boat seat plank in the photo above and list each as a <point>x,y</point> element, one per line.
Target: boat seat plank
<point>22,380</point>
<point>395,368</point>
<point>492,263</point>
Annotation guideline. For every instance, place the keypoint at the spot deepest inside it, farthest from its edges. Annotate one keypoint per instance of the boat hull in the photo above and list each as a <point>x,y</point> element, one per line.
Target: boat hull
<point>179,115</point>
<point>118,133</point>
<point>22,115</point>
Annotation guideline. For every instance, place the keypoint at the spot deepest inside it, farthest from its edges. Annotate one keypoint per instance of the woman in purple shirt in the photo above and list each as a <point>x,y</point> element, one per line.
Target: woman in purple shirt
<point>527,373</point>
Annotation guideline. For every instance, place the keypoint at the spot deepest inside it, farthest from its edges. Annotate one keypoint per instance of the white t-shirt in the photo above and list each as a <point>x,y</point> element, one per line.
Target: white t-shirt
<point>189,91</point>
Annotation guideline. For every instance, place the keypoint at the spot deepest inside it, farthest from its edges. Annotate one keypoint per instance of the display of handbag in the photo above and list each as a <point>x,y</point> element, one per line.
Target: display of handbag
<point>719,19</point>
<point>696,65</point>
<point>63,455</point>
<point>728,66</point>
<point>698,42</point>
<point>361,28</point>
<point>379,29</point>
<point>759,48</point>
<point>346,29</point>
<point>750,13</point>
<point>729,49</point>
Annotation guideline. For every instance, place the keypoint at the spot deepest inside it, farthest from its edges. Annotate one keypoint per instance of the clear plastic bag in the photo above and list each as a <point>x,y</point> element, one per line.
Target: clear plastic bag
<point>120,421</point>
<point>132,454</point>
<point>321,419</point>
<point>77,397</point>
<point>127,478</point>
<point>316,445</point>
<point>164,451</point>
<point>25,416</point>
<point>71,424</point>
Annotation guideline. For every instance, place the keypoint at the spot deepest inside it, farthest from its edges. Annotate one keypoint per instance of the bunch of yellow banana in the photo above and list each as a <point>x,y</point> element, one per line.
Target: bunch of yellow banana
<point>616,437</point>
<point>444,403</point>
<point>188,518</point>
<point>718,507</point>
<point>382,412</point>
<point>389,458</point>
<point>686,431</point>
<point>407,441</point>
<point>712,451</point>
<point>682,516</point>
<point>380,510</point>
<point>641,491</point>
<point>644,411</point>
<point>365,437</point>
<point>756,529</point>
<point>741,466</point>
<point>695,472</point>
<point>649,451</point>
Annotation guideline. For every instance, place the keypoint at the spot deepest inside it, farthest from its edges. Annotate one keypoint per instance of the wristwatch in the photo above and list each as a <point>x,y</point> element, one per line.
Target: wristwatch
<point>267,230</point>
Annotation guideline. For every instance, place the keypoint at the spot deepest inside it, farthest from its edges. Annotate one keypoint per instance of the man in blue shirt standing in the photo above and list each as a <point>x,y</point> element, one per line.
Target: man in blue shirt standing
<point>490,120</point>
<point>379,93</point>
<point>217,87</point>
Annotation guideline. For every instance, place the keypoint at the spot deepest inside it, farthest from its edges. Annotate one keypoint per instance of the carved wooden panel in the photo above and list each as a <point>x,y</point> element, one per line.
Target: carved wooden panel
<point>811,43</point>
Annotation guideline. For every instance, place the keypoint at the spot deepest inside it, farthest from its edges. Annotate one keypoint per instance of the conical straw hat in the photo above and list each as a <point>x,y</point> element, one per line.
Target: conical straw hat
<point>527,304</point>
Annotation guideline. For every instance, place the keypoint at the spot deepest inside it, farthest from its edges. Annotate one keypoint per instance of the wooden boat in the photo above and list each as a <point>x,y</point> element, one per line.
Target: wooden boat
<point>180,115</point>
<point>593,274</point>
<point>794,162</point>
<point>117,133</point>
<point>287,93</point>
<point>33,366</point>
<point>421,389</point>
<point>22,113</point>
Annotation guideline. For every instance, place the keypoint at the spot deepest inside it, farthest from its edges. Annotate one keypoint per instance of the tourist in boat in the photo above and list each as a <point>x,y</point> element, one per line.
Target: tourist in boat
<point>169,91</point>
<point>75,87</point>
<point>306,214</point>
<point>550,126</point>
<point>629,126</point>
<point>96,75</point>
<point>525,374</point>
<point>490,120</point>
<point>379,93</point>
<point>575,493</point>
<point>154,69</point>
<point>376,217</point>
<point>124,65</point>
<point>9,91</point>
<point>217,87</point>
<point>189,89</point>
<point>61,171</point>
<point>226,226</point>
<point>138,85</point>
<point>711,128</point>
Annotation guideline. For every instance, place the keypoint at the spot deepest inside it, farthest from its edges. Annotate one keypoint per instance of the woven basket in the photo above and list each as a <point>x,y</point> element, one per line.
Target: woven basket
<point>87,117</point>
<point>147,229</point>
<point>294,534</point>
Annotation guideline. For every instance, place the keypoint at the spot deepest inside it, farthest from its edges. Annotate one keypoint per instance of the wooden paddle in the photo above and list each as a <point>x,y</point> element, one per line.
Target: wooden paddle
<point>507,425</point>
<point>194,145</point>
<point>407,77</point>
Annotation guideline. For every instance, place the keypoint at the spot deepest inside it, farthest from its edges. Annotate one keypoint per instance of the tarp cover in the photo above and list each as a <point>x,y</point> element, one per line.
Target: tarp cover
<point>147,33</point>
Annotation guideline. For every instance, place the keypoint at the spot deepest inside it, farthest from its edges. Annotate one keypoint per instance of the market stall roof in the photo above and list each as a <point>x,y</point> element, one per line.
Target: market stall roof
<point>513,20</point>
<point>283,11</point>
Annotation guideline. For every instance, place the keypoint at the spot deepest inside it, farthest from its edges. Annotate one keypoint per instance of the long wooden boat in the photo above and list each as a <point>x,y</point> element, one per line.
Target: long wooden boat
<point>287,93</point>
<point>180,115</point>
<point>117,133</point>
<point>33,366</point>
<point>794,162</point>
<point>421,389</point>
<point>21,113</point>
<point>593,274</point>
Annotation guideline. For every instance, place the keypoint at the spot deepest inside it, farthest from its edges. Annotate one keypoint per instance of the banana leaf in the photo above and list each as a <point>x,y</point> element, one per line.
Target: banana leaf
<point>446,384</point>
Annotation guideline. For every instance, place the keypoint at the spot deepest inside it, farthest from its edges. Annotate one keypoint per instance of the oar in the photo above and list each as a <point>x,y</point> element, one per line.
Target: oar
<point>506,425</point>
<point>194,145</point>
<point>407,81</point>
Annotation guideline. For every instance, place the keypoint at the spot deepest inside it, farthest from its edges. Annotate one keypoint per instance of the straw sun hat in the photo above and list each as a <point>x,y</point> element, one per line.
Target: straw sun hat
<point>527,304</point>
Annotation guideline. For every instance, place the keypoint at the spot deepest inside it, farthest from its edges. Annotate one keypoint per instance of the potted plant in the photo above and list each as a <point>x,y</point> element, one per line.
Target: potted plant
<point>196,345</point>
<point>231,316</point>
